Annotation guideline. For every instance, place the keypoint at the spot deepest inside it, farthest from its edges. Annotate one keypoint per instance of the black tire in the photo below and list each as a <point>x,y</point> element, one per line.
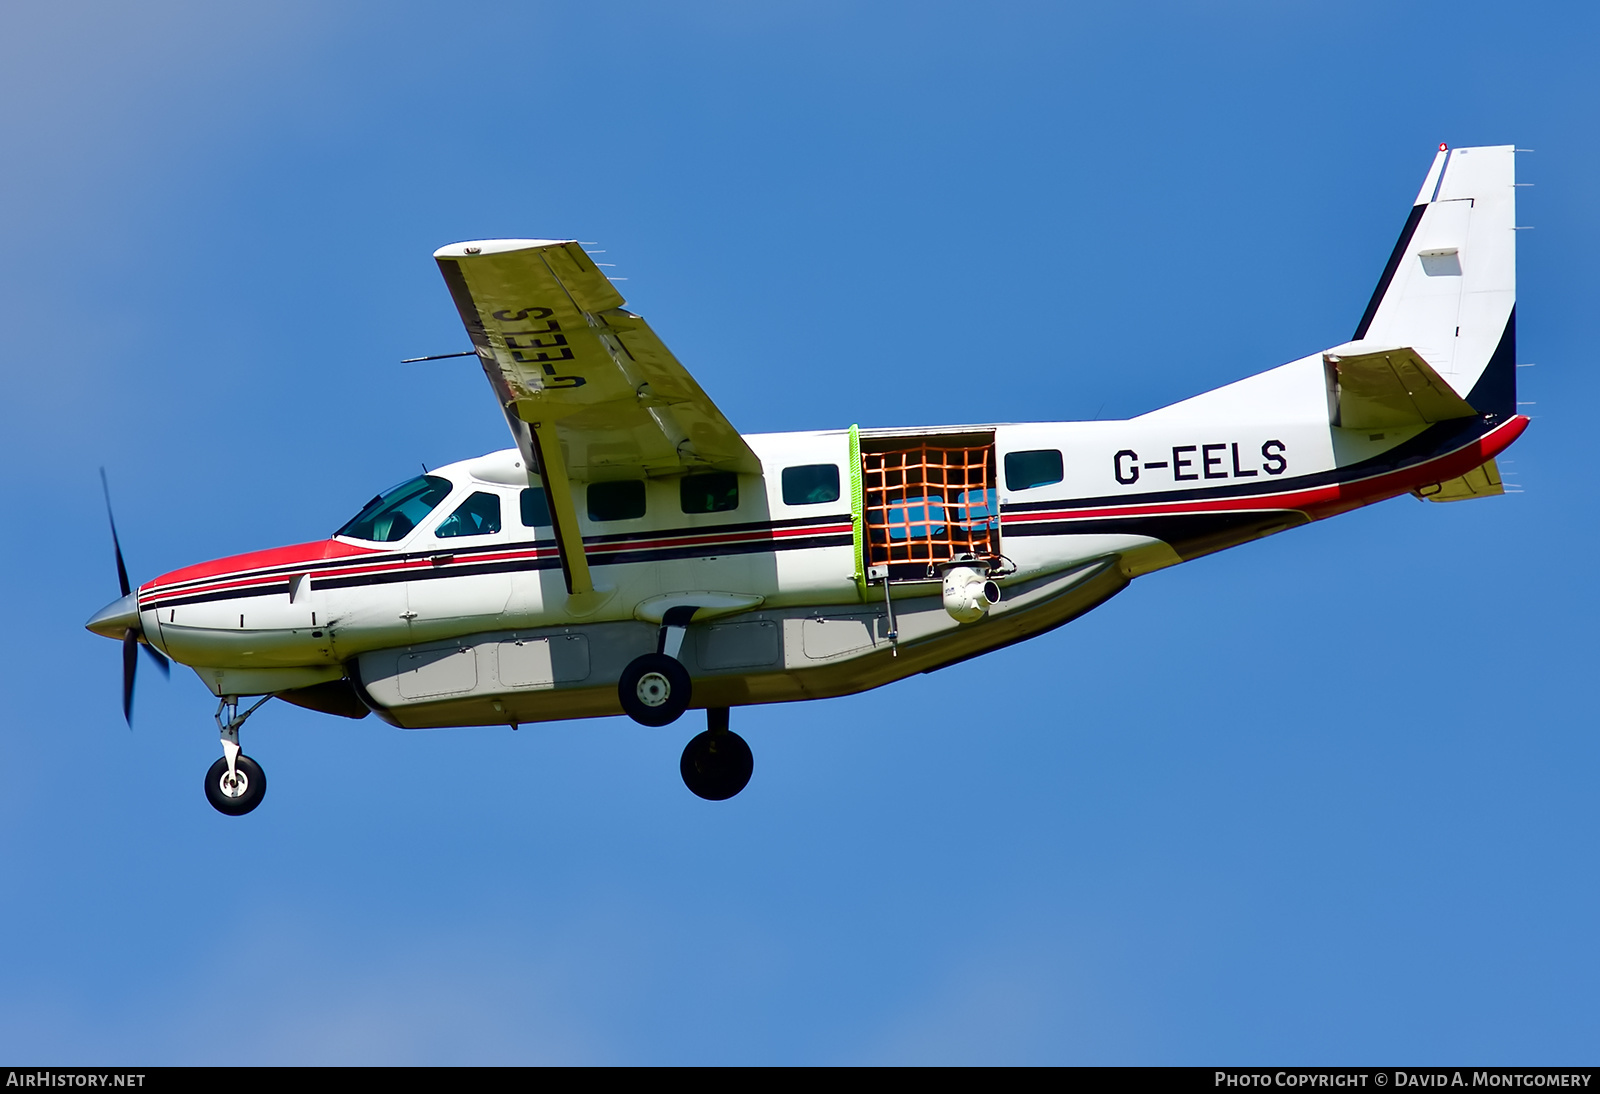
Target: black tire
<point>717,765</point>
<point>654,689</point>
<point>255,786</point>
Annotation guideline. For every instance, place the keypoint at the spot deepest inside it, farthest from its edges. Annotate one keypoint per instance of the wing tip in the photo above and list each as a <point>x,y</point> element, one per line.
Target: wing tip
<point>473,247</point>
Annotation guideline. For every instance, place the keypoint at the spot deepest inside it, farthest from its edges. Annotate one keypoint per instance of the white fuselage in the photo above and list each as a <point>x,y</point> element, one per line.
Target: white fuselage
<point>1142,493</point>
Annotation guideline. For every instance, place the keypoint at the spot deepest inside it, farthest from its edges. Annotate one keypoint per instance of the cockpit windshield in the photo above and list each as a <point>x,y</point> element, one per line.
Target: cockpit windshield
<point>390,517</point>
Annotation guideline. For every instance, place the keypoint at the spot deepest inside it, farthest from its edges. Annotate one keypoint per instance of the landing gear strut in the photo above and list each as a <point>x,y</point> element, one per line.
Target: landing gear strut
<point>235,784</point>
<point>717,764</point>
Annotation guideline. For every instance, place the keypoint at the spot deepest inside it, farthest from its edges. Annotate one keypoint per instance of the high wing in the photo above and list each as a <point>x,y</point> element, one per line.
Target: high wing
<point>591,394</point>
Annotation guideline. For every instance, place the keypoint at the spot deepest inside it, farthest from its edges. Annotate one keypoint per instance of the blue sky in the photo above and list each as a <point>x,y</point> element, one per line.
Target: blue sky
<point>1327,798</point>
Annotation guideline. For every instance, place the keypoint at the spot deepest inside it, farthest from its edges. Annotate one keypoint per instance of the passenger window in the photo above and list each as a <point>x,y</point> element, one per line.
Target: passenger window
<point>616,500</point>
<point>1025,470</point>
<point>716,492</point>
<point>811,484</point>
<point>535,508</point>
<point>916,518</point>
<point>479,515</point>
<point>976,509</point>
<point>390,517</point>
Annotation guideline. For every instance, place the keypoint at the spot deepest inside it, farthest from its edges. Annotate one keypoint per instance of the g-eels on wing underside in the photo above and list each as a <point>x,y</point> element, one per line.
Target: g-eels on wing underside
<point>591,394</point>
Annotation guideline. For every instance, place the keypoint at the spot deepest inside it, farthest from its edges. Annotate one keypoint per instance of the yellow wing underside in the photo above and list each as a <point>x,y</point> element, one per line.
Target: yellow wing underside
<point>559,349</point>
<point>590,392</point>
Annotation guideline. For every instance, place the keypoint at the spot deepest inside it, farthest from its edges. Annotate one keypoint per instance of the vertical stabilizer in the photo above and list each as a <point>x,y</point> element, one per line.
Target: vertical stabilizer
<point>1449,289</point>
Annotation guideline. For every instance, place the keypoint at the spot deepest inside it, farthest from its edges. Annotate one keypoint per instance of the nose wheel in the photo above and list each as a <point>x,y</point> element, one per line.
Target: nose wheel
<point>717,764</point>
<point>238,791</point>
<point>235,784</point>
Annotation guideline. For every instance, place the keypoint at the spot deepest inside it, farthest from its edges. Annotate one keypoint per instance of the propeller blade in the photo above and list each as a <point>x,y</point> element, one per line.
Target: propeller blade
<point>116,544</point>
<point>161,662</point>
<point>130,665</point>
<point>130,637</point>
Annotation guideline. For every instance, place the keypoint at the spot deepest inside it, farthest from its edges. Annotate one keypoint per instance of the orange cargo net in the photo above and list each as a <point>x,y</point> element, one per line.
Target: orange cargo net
<point>929,503</point>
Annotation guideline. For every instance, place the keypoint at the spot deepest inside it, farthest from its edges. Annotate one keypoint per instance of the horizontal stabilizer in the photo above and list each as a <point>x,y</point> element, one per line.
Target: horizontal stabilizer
<point>1389,388</point>
<point>1480,482</point>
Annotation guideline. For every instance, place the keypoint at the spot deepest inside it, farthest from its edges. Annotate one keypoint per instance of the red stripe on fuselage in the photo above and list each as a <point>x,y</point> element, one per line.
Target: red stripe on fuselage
<point>230,573</point>
<point>710,539</point>
<point>319,551</point>
<point>1318,502</point>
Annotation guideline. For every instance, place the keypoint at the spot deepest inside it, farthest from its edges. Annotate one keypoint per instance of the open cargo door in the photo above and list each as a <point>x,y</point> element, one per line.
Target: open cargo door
<point>928,500</point>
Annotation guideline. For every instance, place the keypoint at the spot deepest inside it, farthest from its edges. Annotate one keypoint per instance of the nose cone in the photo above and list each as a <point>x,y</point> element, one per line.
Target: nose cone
<point>116,618</point>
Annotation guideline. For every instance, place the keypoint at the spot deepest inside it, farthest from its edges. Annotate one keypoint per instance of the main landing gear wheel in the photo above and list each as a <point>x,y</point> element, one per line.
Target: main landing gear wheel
<point>717,764</point>
<point>654,689</point>
<point>239,794</point>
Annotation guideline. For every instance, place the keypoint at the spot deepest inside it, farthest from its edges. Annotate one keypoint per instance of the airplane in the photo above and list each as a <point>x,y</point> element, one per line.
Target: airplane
<point>634,554</point>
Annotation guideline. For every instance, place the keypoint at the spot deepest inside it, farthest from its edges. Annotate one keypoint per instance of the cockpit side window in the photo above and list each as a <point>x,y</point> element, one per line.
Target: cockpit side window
<point>390,517</point>
<point>479,515</point>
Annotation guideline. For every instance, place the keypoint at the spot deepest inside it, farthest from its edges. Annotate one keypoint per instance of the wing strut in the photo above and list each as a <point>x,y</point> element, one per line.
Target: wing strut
<point>563,513</point>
